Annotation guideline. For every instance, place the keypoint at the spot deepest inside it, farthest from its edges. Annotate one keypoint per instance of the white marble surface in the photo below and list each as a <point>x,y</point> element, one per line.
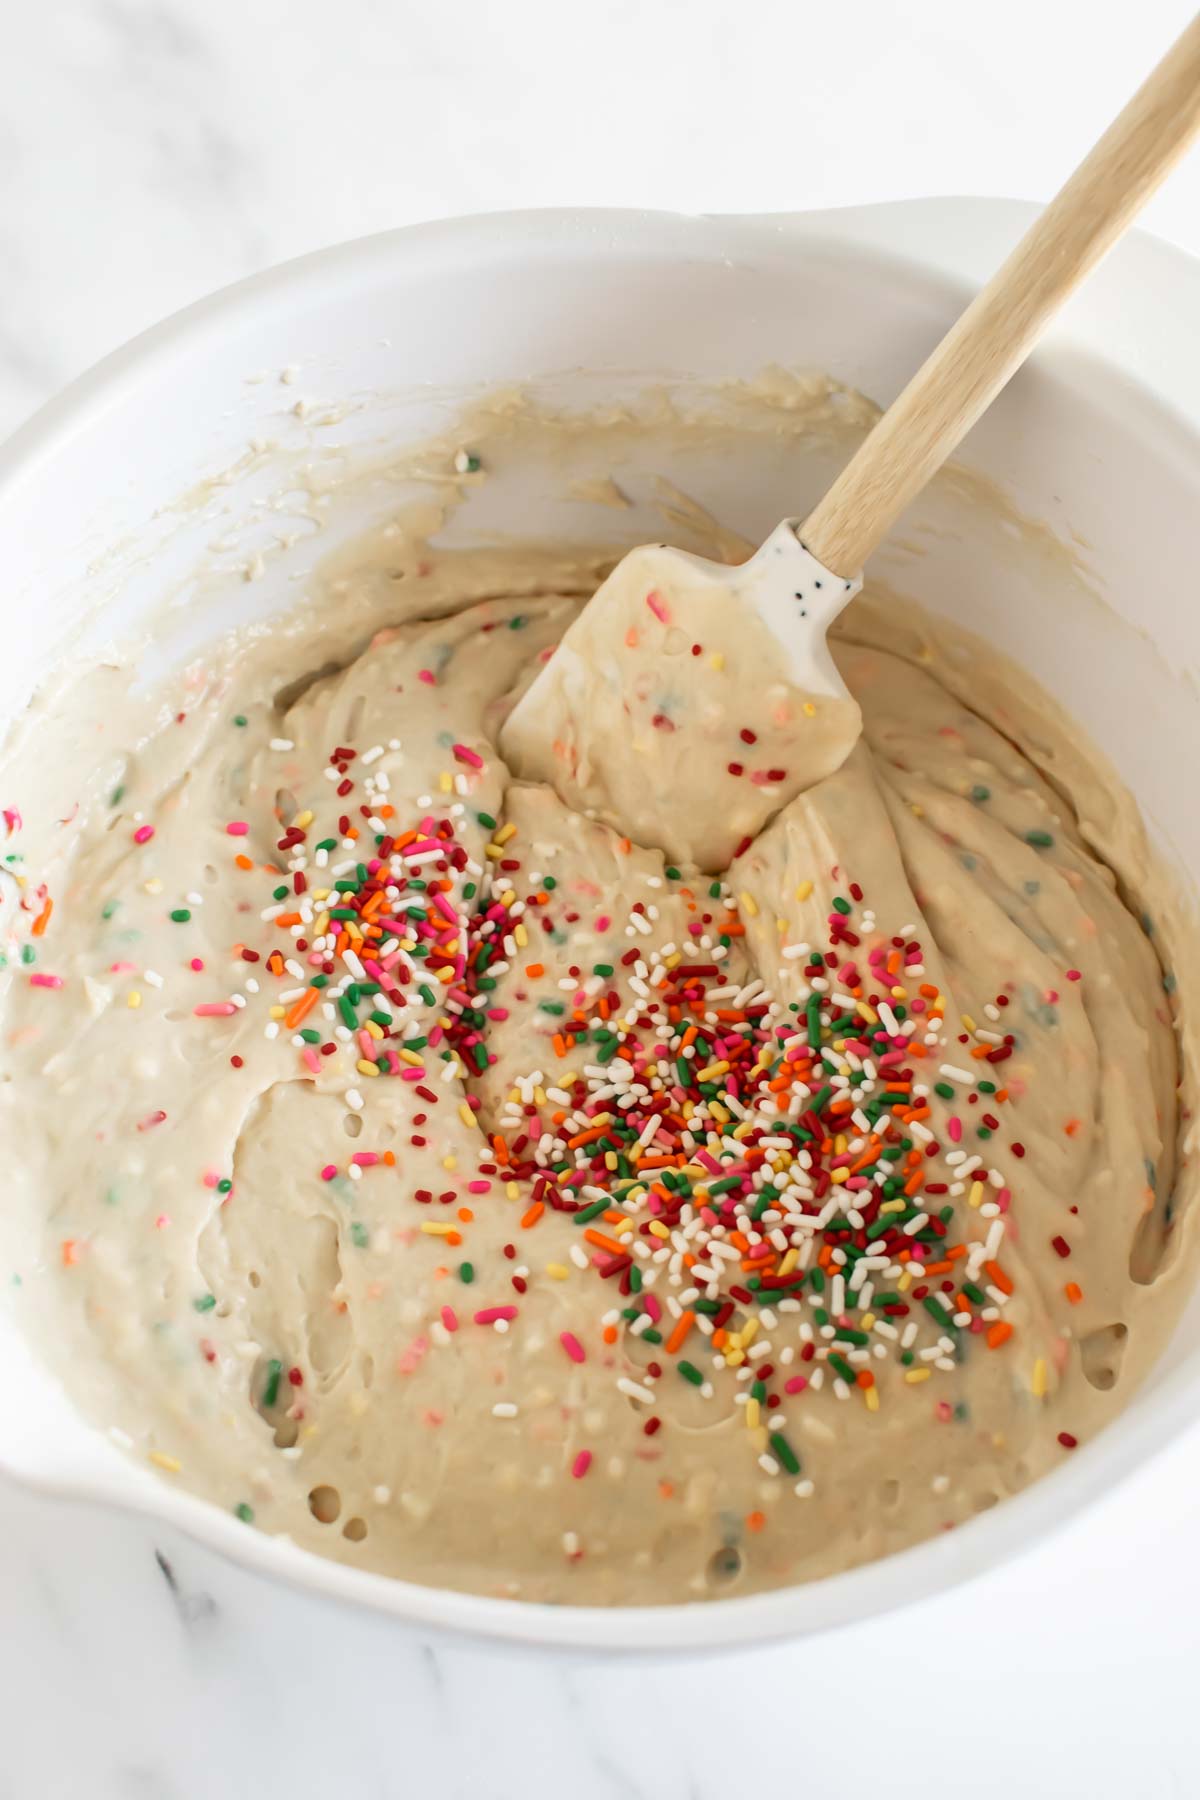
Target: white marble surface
<point>153,149</point>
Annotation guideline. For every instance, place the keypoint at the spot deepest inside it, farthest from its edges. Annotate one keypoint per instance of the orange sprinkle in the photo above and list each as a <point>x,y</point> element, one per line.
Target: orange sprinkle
<point>533,970</point>
<point>667,1489</point>
<point>865,1379</point>
<point>612,1245</point>
<point>683,1325</point>
<point>586,1137</point>
<point>288,918</point>
<point>755,1521</point>
<point>302,1008</point>
<point>1074,1292</point>
<point>999,1277</point>
<point>609,1334</point>
<point>998,1334</point>
<point>43,919</point>
<point>389,1158</point>
<point>532,1214</point>
<point>465,1214</point>
<point>71,1252</point>
<point>244,862</point>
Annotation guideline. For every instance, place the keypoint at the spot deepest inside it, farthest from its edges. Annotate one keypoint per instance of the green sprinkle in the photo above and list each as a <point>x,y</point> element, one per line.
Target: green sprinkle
<point>672,874</point>
<point>360,1237</point>
<point>937,1311</point>
<point>466,1272</point>
<point>840,905</point>
<point>842,1366</point>
<point>944,1089</point>
<point>205,1303</point>
<point>691,1373</point>
<point>980,794</point>
<point>239,719</point>
<point>117,795</point>
<point>605,969</point>
<point>225,1185</point>
<point>241,1510</point>
<point>28,954</point>
<point>555,1007</point>
<point>784,1452</point>
<point>271,1390</point>
<point>549,882</point>
<point>590,1212</point>
<point>1041,840</point>
<point>109,908</point>
<point>181,915</point>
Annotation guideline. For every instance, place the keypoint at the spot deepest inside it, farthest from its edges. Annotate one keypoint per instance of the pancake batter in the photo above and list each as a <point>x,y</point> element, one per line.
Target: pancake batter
<point>416,1167</point>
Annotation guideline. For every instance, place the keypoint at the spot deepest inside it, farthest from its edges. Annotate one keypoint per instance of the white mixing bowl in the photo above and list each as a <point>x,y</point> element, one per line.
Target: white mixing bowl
<point>1098,437</point>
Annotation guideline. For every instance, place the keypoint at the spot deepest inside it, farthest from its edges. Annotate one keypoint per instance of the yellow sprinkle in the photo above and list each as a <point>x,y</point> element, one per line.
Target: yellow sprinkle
<point>539,1096</point>
<point>375,1030</point>
<point>153,886</point>
<point>912,1376</point>
<point>610,1159</point>
<point>133,998</point>
<point>673,960</point>
<point>468,1117</point>
<point>868,1321</point>
<point>871,1395</point>
<point>513,1190</point>
<point>752,1411</point>
<point>170,1463</point>
<point>304,819</point>
<point>748,1333</point>
<point>508,897</point>
<point>716,661</point>
<point>781,927</point>
<point>446,782</point>
<point>657,1229</point>
<point>760,1439</point>
<point>904,1282</point>
<point>839,1144</point>
<point>434,1228</point>
<point>804,890</point>
<point>748,903</point>
<point>445,976</point>
<point>918,812</point>
<point>1037,1385</point>
<point>712,1071</point>
<point>413,1057</point>
<point>450,1162</point>
<point>322,925</point>
<point>867,1012</point>
<point>277,1012</point>
<point>366,1068</point>
<point>840,1177</point>
<point>969,1022</point>
<point>505,832</point>
<point>791,1258</point>
<point>733,1358</point>
<point>557,1271</point>
<point>493,852</point>
<point>975,1197</point>
<point>891,1206</point>
<point>718,1112</point>
<point>520,936</point>
<point>898,993</point>
<point>810,710</point>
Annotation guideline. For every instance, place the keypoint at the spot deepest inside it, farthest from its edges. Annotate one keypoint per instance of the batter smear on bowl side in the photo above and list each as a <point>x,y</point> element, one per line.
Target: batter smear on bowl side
<point>413,1165</point>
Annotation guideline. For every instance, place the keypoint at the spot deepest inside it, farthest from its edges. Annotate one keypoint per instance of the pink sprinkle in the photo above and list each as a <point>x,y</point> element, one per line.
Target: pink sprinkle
<point>427,676</point>
<point>411,1074</point>
<point>603,922</point>
<point>197,964</point>
<point>410,1359</point>
<point>581,1465</point>
<point>215,1009</point>
<point>162,1221</point>
<point>954,1129</point>
<point>1074,975</point>
<point>449,1318</point>
<point>237,828</point>
<point>472,758</point>
<point>365,1159</point>
<point>12,820</point>
<point>572,1346</point>
<point>796,1385</point>
<point>46,981</point>
<point>121,968</point>
<point>143,834</point>
<point>311,1060</point>
<point>658,606</point>
<point>328,1172</point>
<point>152,1119</point>
<point>488,1315</point>
<point>479,1187</point>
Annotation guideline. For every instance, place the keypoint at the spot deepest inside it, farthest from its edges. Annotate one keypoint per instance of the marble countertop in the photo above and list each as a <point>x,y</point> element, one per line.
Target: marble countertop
<point>151,150</point>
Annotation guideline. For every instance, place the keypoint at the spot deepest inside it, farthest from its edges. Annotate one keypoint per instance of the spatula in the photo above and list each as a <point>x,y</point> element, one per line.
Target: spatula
<point>691,700</point>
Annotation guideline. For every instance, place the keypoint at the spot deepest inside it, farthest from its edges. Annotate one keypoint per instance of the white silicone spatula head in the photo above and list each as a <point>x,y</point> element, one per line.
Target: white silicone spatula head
<point>690,700</point>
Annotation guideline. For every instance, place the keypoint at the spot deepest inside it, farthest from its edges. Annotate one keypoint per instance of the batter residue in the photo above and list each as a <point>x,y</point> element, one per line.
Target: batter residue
<point>414,1166</point>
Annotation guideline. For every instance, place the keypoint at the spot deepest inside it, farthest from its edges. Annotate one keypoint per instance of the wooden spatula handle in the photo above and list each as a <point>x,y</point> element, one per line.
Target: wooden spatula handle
<point>1000,327</point>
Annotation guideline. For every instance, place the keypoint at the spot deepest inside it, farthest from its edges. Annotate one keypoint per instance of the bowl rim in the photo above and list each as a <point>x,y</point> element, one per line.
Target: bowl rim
<point>948,238</point>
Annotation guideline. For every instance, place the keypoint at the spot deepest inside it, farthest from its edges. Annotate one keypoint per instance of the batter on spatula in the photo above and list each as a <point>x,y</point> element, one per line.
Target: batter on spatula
<point>417,1166</point>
